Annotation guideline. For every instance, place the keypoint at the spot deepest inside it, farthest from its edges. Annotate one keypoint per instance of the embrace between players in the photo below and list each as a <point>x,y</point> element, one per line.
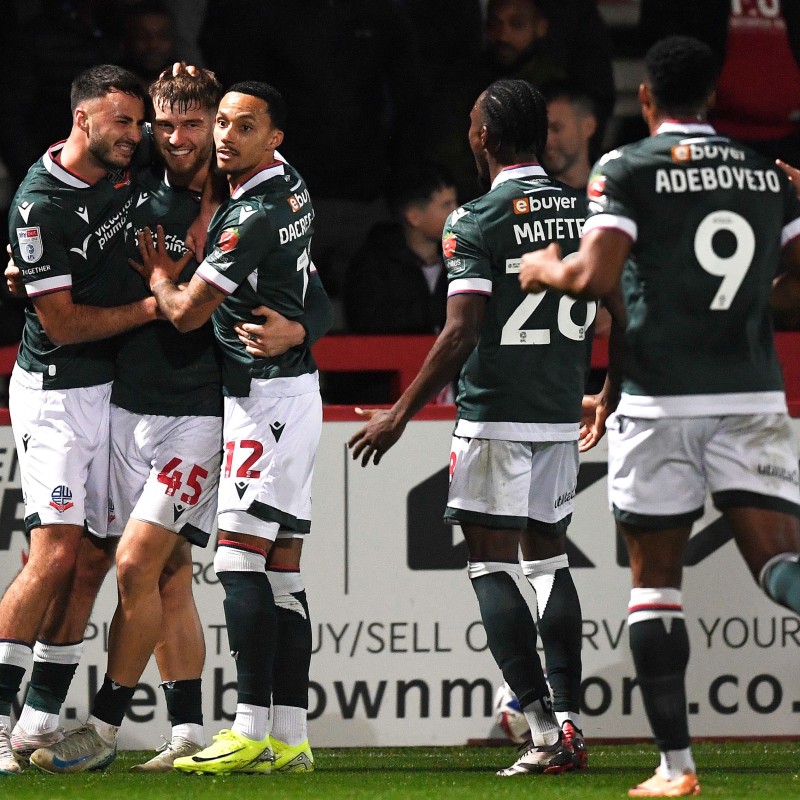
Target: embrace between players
<point>518,332</point>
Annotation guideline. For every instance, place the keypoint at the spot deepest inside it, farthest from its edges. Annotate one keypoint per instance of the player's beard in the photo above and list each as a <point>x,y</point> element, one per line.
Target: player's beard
<point>105,155</point>
<point>188,167</point>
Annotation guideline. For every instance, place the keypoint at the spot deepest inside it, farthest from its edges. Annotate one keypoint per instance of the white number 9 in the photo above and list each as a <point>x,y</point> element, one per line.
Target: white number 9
<point>732,268</point>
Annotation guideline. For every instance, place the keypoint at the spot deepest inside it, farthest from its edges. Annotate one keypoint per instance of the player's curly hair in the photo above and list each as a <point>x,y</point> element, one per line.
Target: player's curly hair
<point>681,72</point>
<point>515,115</point>
<point>183,91</point>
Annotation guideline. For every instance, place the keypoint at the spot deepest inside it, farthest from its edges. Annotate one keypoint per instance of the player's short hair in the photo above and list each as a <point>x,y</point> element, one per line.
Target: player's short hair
<point>182,91</point>
<point>276,105</point>
<point>515,115</point>
<point>681,72</point>
<point>98,81</point>
<point>563,90</point>
<point>415,185</point>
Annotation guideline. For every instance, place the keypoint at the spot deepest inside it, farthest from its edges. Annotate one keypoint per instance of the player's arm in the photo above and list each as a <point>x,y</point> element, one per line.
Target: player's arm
<point>597,408</point>
<point>277,333</point>
<point>187,307</point>
<point>592,273</point>
<point>215,190</point>
<point>445,359</point>
<point>785,297</point>
<point>66,322</point>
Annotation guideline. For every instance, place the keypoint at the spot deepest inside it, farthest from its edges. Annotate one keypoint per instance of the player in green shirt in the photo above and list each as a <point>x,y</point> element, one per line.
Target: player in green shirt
<point>522,362</point>
<point>272,416</point>
<point>67,229</point>
<point>166,437</point>
<point>703,222</point>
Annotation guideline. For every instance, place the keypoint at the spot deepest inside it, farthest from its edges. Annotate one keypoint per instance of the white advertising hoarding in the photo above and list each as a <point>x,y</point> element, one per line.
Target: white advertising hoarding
<point>400,655</point>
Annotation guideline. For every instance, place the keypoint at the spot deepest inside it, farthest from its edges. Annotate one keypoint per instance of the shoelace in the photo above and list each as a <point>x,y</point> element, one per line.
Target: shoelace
<point>78,742</point>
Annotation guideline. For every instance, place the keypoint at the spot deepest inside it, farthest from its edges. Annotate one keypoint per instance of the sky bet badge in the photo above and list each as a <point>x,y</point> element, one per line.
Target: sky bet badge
<point>30,244</point>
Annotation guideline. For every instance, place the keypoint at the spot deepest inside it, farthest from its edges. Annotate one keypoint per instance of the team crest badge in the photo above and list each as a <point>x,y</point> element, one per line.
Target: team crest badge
<point>30,244</point>
<point>228,240</point>
<point>61,499</point>
<point>449,243</point>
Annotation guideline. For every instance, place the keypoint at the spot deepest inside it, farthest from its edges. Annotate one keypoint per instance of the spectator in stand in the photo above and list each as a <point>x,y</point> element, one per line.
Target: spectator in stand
<point>545,40</point>
<point>396,282</point>
<point>349,71</point>
<point>757,47</point>
<point>571,124</point>
<point>148,40</point>
<point>516,38</point>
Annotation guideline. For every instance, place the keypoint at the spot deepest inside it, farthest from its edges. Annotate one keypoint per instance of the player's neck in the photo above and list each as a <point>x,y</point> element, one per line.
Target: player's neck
<point>236,179</point>
<point>194,182</point>
<point>657,120</point>
<point>76,158</point>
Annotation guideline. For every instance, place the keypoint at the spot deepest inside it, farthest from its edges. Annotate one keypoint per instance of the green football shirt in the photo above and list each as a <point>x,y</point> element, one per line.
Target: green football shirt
<point>525,379</point>
<point>159,370</point>
<point>260,256</point>
<point>69,235</point>
<point>707,218</point>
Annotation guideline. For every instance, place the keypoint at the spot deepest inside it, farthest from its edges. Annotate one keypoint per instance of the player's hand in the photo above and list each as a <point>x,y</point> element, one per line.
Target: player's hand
<point>156,265</point>
<point>197,234</point>
<point>182,67</point>
<point>793,174</point>
<point>536,265</point>
<point>594,413</point>
<point>271,338</point>
<point>14,284</point>
<point>376,437</point>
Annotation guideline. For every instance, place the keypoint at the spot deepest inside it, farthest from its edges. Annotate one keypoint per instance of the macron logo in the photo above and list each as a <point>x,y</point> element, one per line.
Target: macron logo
<point>143,198</point>
<point>83,213</point>
<point>25,211</point>
<point>246,212</point>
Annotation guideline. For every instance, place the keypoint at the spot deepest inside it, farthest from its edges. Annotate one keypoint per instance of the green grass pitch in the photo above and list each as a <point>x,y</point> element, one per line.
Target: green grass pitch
<point>751,770</point>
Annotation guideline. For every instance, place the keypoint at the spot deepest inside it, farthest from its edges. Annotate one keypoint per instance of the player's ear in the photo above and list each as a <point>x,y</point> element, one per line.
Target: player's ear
<point>81,119</point>
<point>490,141</point>
<point>276,138</point>
<point>646,101</point>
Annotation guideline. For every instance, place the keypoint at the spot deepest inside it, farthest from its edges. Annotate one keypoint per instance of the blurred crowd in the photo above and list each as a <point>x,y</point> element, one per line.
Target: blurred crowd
<point>379,94</point>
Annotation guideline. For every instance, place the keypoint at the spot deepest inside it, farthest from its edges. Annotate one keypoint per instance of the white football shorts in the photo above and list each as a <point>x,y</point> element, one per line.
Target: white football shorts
<point>165,470</point>
<point>61,436</point>
<point>662,468</point>
<point>503,484</point>
<point>270,444</point>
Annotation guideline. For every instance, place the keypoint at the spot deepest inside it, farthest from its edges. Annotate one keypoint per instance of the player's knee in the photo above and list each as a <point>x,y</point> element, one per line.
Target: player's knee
<point>135,574</point>
<point>56,562</point>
